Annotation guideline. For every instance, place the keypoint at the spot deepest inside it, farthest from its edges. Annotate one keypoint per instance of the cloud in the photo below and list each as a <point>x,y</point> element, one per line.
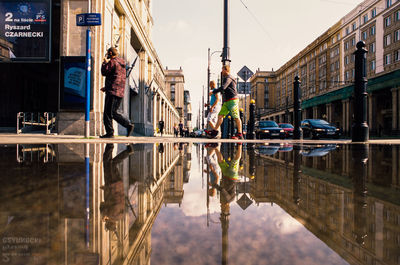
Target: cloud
<point>177,26</point>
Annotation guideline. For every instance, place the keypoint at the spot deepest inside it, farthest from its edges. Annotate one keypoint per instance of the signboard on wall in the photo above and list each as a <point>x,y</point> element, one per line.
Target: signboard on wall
<point>25,30</point>
<point>73,83</point>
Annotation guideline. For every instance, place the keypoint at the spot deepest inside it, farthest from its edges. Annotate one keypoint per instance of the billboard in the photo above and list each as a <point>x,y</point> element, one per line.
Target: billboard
<point>25,30</point>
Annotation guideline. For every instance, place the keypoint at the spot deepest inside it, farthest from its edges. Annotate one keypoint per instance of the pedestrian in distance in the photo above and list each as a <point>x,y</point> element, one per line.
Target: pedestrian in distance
<point>230,103</point>
<point>215,107</point>
<point>176,131</point>
<point>181,131</point>
<point>161,126</point>
<point>114,69</point>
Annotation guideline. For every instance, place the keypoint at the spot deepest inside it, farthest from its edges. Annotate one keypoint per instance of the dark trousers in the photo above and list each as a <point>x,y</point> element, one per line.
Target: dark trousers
<point>111,111</point>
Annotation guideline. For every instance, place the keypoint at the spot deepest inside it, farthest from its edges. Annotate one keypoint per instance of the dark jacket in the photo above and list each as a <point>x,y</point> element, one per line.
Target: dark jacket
<point>115,74</point>
<point>228,89</point>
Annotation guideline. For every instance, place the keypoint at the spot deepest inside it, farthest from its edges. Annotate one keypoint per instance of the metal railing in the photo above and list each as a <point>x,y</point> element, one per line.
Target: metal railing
<point>27,121</point>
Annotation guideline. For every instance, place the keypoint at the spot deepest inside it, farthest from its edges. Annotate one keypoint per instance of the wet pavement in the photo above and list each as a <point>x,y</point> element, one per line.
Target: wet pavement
<point>195,203</point>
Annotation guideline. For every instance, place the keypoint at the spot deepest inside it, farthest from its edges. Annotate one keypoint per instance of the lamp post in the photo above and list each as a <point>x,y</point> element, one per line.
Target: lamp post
<point>225,50</point>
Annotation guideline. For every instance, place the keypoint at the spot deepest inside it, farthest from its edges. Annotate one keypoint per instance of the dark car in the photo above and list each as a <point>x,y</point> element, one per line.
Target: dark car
<point>316,128</point>
<point>288,128</point>
<point>267,149</point>
<point>318,150</point>
<point>268,129</point>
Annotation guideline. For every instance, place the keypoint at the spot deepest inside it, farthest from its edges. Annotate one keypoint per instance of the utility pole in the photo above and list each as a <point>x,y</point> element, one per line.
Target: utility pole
<point>202,107</point>
<point>208,79</point>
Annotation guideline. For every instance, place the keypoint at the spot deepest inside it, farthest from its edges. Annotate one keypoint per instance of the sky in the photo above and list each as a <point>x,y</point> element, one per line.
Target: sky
<point>264,34</point>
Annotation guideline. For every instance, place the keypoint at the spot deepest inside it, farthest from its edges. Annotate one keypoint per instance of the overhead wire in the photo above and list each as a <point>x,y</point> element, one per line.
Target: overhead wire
<point>257,21</point>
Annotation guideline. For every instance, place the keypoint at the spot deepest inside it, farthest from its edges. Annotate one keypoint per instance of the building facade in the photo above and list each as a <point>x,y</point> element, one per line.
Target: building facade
<point>126,25</point>
<point>326,71</point>
<point>180,98</point>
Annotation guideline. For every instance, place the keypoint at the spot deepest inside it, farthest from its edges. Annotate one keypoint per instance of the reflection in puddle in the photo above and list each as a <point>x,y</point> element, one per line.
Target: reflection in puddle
<point>200,204</point>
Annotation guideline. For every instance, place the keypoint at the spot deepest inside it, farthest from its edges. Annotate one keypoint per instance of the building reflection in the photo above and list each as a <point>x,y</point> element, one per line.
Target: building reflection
<point>43,201</point>
<point>347,196</point>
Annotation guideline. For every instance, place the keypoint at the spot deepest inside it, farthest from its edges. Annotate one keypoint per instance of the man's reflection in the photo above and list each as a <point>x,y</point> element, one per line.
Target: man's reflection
<point>230,173</point>
<point>112,209</point>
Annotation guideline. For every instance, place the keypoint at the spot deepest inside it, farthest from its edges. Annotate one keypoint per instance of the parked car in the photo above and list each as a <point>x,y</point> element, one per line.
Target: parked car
<point>288,128</point>
<point>199,133</point>
<point>267,149</point>
<point>316,128</point>
<point>318,150</point>
<point>268,129</point>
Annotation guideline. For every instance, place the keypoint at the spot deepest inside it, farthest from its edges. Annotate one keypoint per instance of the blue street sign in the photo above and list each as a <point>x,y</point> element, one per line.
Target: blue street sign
<point>88,19</point>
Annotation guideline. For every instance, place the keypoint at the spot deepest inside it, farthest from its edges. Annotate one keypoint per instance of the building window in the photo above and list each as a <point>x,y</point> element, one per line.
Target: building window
<point>346,75</point>
<point>346,45</point>
<point>372,48</point>
<point>338,37</point>
<point>388,21</point>
<point>373,13</point>
<point>353,72</point>
<point>397,56</point>
<point>397,16</point>
<point>173,93</point>
<point>364,35</point>
<point>397,35</point>
<point>387,40</point>
<point>388,3</point>
<point>365,18</point>
<point>372,65</point>
<point>353,42</point>
<point>388,59</point>
<point>372,31</point>
<point>347,31</point>
<point>346,60</point>
<point>354,26</point>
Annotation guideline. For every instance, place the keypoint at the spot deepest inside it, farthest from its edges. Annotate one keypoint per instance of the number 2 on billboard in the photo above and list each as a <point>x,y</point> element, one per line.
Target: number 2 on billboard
<point>9,16</point>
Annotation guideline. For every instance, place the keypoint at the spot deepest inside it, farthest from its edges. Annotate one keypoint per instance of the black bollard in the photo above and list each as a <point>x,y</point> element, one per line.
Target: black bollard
<point>241,117</point>
<point>232,128</point>
<point>296,174</point>
<point>297,132</point>
<point>360,130</point>
<point>250,134</point>
<point>359,172</point>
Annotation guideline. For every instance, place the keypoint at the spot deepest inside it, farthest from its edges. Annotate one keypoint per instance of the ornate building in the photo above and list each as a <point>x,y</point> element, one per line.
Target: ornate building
<point>326,71</point>
<point>126,25</point>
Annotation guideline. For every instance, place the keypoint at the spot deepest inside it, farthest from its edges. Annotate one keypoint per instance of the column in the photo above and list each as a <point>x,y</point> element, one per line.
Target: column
<point>315,112</point>
<point>395,109</point>
<point>372,123</point>
<point>345,115</point>
<point>328,111</point>
<point>395,167</point>
<point>155,114</point>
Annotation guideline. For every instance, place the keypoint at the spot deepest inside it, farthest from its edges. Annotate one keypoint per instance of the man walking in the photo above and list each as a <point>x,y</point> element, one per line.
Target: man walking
<point>113,68</point>
<point>230,105</point>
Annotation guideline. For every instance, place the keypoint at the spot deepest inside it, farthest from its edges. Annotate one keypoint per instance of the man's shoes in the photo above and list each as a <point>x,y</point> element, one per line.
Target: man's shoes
<point>108,135</point>
<point>212,133</point>
<point>130,130</point>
